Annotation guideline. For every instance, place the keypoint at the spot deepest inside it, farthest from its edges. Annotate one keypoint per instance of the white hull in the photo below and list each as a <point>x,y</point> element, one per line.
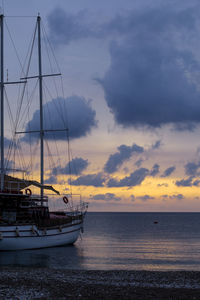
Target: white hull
<point>23,237</point>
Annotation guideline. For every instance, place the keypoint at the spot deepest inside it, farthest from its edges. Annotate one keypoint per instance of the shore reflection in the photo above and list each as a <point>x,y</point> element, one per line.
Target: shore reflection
<point>123,241</point>
<point>58,257</point>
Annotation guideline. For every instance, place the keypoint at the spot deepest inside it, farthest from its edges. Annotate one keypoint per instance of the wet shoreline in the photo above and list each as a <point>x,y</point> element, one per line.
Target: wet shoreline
<point>44,283</point>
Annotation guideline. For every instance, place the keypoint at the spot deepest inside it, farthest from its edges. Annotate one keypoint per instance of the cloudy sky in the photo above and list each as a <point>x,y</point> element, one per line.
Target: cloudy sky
<point>131,75</point>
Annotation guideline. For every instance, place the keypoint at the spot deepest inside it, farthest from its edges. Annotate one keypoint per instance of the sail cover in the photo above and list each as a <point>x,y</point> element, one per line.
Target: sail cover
<point>17,184</point>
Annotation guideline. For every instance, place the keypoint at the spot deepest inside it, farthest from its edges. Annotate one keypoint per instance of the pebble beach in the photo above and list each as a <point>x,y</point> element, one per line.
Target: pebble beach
<point>42,283</point>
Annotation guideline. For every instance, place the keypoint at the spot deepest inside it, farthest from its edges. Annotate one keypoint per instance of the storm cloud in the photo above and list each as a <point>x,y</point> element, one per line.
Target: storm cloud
<point>106,197</point>
<point>135,178</point>
<point>139,162</point>
<point>185,182</point>
<point>151,78</point>
<point>145,198</point>
<point>178,196</point>
<point>74,112</point>
<point>117,159</point>
<point>153,74</point>
<point>51,180</point>
<point>9,143</point>
<point>75,167</point>
<point>8,164</point>
<point>156,145</point>
<point>172,197</point>
<point>155,170</point>
<point>191,168</point>
<point>96,180</point>
<point>65,27</point>
<point>168,171</point>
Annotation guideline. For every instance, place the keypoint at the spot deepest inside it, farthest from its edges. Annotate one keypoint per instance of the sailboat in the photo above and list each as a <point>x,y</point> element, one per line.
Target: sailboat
<point>26,221</point>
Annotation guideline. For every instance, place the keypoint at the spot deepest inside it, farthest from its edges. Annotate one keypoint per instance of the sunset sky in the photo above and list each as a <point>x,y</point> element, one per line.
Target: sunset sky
<point>131,75</point>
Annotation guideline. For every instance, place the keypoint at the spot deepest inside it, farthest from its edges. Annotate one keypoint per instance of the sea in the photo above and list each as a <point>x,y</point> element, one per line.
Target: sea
<point>123,241</point>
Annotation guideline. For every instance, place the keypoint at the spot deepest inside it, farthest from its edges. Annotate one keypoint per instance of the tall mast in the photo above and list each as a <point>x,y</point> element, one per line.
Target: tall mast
<point>41,110</point>
<point>41,131</point>
<point>2,103</point>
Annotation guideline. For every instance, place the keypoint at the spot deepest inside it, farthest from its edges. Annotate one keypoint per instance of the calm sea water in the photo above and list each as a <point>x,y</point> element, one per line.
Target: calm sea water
<point>123,241</point>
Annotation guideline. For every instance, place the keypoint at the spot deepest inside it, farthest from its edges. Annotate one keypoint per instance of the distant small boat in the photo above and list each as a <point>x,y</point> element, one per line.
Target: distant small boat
<point>155,222</point>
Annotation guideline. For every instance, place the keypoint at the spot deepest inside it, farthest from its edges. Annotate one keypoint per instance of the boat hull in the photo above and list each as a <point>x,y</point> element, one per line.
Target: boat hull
<point>23,237</point>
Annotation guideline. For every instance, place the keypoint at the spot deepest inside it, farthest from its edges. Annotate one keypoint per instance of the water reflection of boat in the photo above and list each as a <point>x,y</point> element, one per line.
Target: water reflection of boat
<point>25,219</point>
<point>56,257</point>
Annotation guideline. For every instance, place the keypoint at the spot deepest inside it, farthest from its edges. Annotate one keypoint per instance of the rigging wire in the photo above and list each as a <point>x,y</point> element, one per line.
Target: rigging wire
<point>30,140</point>
<point>3,6</point>
<point>57,106</point>
<point>13,44</point>
<point>30,50</point>
<point>7,16</point>
<point>12,125</point>
<point>50,157</point>
<point>13,144</point>
<point>51,48</point>
<point>26,74</point>
<point>18,58</point>
<point>29,102</point>
<point>34,155</point>
<point>62,112</point>
<point>65,123</point>
<point>53,133</point>
<point>50,63</point>
<point>65,110</point>
<point>20,156</point>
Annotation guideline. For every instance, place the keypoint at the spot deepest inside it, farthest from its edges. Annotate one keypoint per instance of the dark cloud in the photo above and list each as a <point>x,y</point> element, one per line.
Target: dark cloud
<point>9,143</point>
<point>65,27</point>
<point>151,79</point>
<point>156,145</point>
<point>8,164</point>
<point>139,162</point>
<point>135,178</point>
<point>178,197</point>
<point>51,180</point>
<point>155,170</point>
<point>106,197</point>
<point>75,167</point>
<point>168,171</point>
<point>126,170</point>
<point>96,180</point>
<point>124,153</point>
<point>59,112</point>
<point>196,182</point>
<point>185,182</point>
<point>172,197</point>
<point>191,168</point>
<point>145,198</point>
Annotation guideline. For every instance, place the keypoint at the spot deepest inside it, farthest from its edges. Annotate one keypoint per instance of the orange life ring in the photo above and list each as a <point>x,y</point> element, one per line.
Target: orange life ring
<point>65,199</point>
<point>28,192</point>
